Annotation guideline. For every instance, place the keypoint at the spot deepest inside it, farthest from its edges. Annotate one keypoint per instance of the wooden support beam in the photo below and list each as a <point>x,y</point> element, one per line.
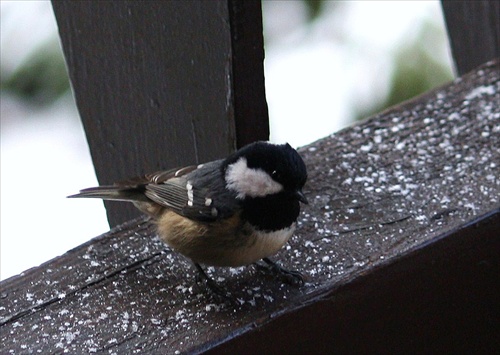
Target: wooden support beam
<point>473,30</point>
<point>169,84</point>
<point>399,245</point>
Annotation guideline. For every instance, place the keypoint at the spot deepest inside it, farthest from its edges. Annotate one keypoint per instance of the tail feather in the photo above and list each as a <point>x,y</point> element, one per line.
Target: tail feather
<point>114,193</point>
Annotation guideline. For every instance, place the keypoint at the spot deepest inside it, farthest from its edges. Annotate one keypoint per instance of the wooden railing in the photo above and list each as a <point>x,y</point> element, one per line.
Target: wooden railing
<point>399,243</point>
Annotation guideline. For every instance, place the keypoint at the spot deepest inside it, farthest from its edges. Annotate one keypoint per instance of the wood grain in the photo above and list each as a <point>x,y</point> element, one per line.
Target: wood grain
<point>169,84</point>
<point>473,30</point>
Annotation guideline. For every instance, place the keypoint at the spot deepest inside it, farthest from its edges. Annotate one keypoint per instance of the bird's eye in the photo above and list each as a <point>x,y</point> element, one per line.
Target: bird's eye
<point>275,175</point>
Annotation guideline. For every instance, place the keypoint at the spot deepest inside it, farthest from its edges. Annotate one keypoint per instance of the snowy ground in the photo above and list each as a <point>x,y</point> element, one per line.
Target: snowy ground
<point>317,78</point>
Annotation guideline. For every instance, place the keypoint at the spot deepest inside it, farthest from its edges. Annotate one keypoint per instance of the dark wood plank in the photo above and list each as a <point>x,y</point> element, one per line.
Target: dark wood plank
<point>440,299</point>
<point>473,30</point>
<point>250,107</point>
<point>163,85</point>
<point>399,245</point>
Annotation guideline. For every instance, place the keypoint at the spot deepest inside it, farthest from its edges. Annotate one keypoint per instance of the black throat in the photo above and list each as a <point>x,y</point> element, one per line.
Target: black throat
<point>271,213</point>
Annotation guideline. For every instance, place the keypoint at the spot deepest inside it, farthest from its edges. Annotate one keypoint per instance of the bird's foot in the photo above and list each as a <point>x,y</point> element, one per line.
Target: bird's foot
<point>211,284</point>
<point>290,276</point>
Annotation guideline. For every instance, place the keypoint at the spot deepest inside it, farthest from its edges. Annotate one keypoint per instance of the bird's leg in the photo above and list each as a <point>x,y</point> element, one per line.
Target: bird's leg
<point>211,284</point>
<point>292,276</point>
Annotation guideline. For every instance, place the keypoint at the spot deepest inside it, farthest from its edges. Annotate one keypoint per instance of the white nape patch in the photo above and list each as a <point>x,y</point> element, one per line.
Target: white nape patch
<point>208,201</point>
<point>250,182</point>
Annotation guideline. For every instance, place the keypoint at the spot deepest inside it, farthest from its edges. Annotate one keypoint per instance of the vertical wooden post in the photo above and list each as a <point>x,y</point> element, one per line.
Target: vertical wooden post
<point>160,84</point>
<point>474,32</point>
<point>248,69</point>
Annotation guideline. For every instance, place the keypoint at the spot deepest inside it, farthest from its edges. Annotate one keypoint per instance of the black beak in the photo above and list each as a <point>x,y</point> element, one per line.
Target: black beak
<point>301,197</point>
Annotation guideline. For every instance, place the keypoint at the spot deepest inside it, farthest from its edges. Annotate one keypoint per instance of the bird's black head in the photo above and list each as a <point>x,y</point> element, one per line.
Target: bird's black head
<point>261,169</point>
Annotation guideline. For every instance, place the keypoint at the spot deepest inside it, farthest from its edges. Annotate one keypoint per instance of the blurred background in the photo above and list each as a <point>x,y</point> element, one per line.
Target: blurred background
<point>328,64</point>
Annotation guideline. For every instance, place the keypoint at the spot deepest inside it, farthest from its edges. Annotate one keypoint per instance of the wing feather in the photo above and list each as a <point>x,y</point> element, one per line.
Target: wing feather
<point>196,192</point>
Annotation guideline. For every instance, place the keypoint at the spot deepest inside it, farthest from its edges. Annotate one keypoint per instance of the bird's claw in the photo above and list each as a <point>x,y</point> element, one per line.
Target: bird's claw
<point>211,284</point>
<point>290,276</point>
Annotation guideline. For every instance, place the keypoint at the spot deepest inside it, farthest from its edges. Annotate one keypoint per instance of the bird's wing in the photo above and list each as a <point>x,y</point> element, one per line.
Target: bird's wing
<point>195,192</point>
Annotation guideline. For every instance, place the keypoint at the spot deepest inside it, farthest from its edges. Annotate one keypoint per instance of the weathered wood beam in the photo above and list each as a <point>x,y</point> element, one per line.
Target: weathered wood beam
<point>399,246</point>
<point>473,30</point>
<point>162,85</point>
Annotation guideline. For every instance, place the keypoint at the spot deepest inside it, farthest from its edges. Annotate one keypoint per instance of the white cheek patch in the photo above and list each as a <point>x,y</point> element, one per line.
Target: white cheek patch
<point>250,182</point>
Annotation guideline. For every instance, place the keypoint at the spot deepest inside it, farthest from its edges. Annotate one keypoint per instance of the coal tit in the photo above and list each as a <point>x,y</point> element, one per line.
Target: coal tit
<point>229,212</point>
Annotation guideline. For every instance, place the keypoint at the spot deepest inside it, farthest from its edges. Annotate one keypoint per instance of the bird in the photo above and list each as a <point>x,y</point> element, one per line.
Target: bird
<point>229,212</point>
